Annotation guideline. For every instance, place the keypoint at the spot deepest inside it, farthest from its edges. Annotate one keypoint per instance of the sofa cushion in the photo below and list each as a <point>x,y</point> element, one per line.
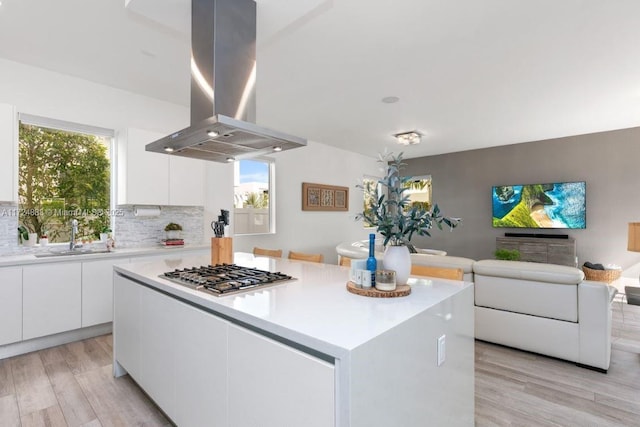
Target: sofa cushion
<point>539,272</point>
<point>466,264</point>
<point>550,300</point>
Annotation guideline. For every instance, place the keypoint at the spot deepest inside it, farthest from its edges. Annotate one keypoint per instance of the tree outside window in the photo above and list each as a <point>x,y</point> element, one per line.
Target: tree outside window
<point>63,176</point>
<point>418,192</point>
<point>252,191</point>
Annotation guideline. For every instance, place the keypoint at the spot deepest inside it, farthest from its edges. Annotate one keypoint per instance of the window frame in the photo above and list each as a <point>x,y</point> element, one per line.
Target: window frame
<point>271,185</point>
<point>56,124</point>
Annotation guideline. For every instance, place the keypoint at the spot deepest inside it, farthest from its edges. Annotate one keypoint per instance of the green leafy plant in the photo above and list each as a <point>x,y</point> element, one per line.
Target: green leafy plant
<point>507,254</point>
<point>62,176</point>
<point>23,233</point>
<point>257,200</point>
<point>172,226</point>
<point>390,210</point>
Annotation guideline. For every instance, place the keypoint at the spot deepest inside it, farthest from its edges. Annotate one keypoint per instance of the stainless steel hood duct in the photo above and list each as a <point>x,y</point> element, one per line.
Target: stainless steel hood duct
<point>223,104</point>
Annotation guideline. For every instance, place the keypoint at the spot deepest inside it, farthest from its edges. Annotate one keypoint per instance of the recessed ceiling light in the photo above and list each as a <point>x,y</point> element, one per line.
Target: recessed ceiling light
<point>230,159</point>
<point>408,138</point>
<point>168,149</point>
<point>390,99</point>
<point>277,148</point>
<point>212,133</point>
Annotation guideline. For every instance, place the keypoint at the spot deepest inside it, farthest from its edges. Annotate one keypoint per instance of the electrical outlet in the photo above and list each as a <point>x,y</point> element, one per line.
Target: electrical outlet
<point>441,349</point>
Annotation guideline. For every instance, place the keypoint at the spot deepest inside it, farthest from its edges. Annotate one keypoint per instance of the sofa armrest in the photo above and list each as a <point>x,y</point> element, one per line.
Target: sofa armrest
<point>594,318</point>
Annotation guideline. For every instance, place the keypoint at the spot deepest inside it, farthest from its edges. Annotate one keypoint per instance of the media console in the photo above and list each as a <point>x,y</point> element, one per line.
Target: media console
<point>550,249</point>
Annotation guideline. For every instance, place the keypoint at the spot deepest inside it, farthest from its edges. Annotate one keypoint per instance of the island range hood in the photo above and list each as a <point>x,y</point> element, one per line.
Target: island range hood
<point>223,103</point>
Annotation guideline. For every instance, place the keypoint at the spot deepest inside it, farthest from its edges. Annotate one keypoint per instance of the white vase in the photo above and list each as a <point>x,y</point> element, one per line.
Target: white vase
<point>33,239</point>
<point>398,258</point>
<point>173,234</point>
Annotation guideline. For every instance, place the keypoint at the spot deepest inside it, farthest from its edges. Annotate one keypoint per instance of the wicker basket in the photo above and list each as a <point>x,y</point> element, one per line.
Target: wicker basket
<point>607,276</point>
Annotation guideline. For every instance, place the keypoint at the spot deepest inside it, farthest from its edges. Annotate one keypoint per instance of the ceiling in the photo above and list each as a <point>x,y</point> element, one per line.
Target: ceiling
<point>468,73</point>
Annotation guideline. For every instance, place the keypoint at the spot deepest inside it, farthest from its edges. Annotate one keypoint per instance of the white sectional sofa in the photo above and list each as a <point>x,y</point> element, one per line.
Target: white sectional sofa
<point>544,308</point>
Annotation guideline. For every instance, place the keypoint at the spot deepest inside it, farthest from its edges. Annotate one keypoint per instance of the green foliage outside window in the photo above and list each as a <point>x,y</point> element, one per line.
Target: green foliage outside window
<point>257,200</point>
<point>63,176</point>
<point>370,191</point>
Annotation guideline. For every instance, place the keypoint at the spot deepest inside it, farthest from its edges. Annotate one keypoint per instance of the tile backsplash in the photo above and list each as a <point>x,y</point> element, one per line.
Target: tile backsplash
<point>130,231</point>
<point>133,231</point>
<point>8,226</point>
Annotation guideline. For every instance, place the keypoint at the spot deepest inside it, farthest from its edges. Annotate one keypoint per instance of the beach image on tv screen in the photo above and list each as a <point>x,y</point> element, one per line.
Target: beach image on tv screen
<point>558,205</point>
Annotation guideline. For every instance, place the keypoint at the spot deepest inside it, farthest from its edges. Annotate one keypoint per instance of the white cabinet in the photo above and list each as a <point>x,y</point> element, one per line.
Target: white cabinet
<point>9,150</point>
<point>51,299</point>
<point>281,385</point>
<point>97,291</point>
<point>201,368</point>
<point>147,178</point>
<point>186,181</point>
<point>126,321</point>
<point>10,305</point>
<point>143,176</point>
<point>157,349</point>
<point>175,352</point>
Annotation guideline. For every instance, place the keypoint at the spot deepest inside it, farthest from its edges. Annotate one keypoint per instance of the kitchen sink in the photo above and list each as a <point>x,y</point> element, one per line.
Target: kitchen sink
<point>67,252</point>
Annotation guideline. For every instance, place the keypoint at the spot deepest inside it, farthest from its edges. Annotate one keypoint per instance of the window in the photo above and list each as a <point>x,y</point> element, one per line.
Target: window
<point>64,174</point>
<point>371,188</point>
<point>418,191</point>
<point>254,196</point>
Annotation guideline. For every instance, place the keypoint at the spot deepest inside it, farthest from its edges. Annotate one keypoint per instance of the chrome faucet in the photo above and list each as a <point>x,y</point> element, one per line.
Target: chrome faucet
<point>74,231</point>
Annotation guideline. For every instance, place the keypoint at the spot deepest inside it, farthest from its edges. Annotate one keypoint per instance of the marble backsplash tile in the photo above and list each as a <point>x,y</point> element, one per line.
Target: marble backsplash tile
<point>132,231</point>
<point>8,226</point>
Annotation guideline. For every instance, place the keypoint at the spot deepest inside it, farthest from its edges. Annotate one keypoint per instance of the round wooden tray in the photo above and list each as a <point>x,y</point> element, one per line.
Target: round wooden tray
<point>400,291</point>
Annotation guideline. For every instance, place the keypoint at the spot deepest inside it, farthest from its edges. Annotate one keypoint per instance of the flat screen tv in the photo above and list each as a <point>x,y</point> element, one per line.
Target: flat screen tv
<point>554,205</point>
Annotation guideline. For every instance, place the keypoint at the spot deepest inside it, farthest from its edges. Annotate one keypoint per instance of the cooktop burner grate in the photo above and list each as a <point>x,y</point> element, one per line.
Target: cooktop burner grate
<point>224,279</point>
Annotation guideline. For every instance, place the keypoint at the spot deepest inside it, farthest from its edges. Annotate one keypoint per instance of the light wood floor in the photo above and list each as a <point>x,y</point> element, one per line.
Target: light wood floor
<point>72,385</point>
<point>515,388</point>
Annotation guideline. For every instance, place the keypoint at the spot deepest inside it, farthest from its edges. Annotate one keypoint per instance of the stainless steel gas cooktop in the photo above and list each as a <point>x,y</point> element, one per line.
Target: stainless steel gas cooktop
<point>224,279</point>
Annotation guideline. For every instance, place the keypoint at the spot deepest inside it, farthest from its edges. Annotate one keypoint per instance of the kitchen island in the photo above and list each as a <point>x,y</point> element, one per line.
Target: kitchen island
<point>304,352</point>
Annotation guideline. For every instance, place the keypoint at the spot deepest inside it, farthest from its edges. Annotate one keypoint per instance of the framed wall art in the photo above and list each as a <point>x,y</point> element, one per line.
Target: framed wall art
<point>320,197</point>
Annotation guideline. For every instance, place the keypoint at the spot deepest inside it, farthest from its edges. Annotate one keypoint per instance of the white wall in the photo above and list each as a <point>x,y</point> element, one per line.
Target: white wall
<point>44,93</point>
<point>311,231</point>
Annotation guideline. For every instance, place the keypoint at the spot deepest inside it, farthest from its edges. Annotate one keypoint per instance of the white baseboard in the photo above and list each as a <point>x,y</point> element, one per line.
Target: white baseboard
<point>36,344</point>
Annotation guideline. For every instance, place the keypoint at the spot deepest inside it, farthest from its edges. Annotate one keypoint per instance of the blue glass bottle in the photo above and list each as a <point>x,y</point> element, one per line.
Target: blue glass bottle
<point>372,264</point>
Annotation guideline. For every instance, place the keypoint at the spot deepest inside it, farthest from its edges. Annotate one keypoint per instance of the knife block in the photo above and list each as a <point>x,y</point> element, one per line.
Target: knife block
<point>221,250</point>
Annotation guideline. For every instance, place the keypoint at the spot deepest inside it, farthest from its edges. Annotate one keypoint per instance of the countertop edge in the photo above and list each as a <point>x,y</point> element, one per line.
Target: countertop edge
<point>31,259</point>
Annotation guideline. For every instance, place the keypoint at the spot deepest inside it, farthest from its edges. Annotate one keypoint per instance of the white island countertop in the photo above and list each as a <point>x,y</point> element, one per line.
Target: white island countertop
<point>315,310</point>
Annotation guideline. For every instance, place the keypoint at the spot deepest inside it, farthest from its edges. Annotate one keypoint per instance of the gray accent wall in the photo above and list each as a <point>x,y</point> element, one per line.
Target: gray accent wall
<point>607,161</point>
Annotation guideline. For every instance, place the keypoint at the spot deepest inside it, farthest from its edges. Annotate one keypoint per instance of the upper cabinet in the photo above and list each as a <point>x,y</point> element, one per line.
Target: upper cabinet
<point>146,178</point>
<point>9,150</point>
<point>186,181</point>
